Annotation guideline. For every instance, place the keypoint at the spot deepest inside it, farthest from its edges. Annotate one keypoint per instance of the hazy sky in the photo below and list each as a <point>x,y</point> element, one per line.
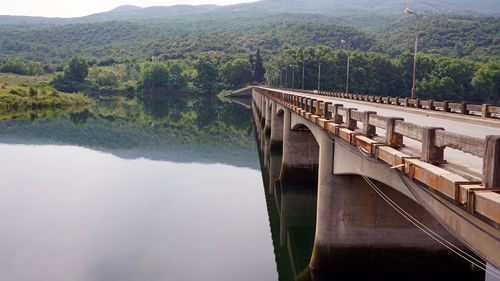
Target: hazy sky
<point>71,8</point>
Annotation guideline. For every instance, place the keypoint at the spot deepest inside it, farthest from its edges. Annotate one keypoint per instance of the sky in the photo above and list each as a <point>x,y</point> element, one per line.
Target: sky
<point>72,8</point>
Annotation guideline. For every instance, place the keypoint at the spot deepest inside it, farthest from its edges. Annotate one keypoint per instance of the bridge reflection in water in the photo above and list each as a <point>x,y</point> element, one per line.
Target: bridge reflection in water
<point>354,234</point>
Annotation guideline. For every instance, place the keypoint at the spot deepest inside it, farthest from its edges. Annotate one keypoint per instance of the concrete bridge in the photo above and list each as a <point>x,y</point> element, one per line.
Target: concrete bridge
<point>323,138</point>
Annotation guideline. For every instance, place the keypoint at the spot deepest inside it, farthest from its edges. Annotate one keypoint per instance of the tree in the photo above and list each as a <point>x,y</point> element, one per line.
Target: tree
<point>14,66</point>
<point>76,69</point>
<point>251,61</point>
<point>486,81</point>
<point>236,72</point>
<point>259,72</point>
<point>206,75</point>
<point>155,76</point>
<point>176,81</point>
<point>104,77</point>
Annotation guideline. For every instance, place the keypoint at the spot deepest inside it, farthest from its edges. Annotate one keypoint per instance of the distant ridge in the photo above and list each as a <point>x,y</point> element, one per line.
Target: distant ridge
<point>125,8</point>
<point>326,7</point>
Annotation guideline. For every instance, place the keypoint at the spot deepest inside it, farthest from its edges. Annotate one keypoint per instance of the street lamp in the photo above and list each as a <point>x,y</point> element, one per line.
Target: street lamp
<point>319,70</point>
<point>281,78</point>
<point>408,11</point>
<point>293,76</point>
<point>302,61</point>
<point>348,57</point>
<point>286,76</point>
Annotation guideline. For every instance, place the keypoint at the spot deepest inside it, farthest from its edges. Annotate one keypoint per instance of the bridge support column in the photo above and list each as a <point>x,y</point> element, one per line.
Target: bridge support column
<point>268,113</point>
<point>276,129</point>
<point>300,153</point>
<point>262,109</point>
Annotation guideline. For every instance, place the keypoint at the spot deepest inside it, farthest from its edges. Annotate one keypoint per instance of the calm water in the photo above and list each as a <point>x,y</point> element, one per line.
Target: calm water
<point>147,188</point>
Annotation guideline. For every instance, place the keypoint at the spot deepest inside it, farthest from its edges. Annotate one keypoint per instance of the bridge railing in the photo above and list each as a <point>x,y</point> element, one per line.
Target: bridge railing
<point>484,110</point>
<point>382,138</point>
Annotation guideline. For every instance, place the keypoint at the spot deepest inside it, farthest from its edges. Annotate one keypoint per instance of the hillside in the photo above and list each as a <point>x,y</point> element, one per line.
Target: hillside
<point>55,44</point>
<point>455,36</point>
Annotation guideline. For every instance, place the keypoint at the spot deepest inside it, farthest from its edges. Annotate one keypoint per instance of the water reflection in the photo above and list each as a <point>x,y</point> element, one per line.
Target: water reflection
<point>88,195</point>
<point>162,127</point>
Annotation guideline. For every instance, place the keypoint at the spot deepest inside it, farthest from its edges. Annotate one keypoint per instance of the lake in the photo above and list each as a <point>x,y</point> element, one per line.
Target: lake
<point>135,188</point>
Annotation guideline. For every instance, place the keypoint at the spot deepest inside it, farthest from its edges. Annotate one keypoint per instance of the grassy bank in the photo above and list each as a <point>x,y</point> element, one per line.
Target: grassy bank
<point>26,93</point>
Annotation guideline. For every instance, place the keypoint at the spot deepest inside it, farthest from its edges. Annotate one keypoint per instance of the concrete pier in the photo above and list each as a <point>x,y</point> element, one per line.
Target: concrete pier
<point>276,143</point>
<point>300,153</point>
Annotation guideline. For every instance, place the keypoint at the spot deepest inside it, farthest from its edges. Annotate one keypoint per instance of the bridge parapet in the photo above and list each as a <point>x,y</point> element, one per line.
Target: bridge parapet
<point>478,197</point>
<point>483,110</point>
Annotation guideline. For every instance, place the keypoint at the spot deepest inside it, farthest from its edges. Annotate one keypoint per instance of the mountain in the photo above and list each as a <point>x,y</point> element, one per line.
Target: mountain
<point>325,7</point>
<point>489,7</point>
<point>149,13</point>
<point>125,8</point>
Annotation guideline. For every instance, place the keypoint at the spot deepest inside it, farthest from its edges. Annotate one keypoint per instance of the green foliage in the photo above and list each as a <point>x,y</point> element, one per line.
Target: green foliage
<point>259,71</point>
<point>33,91</point>
<point>206,75</point>
<point>38,96</point>
<point>445,35</point>
<point>76,69</point>
<point>14,66</point>
<point>177,81</point>
<point>18,92</point>
<point>486,81</point>
<point>73,79</point>
<point>440,78</point>
<point>155,77</point>
<point>18,66</point>
<point>104,77</point>
<point>236,72</point>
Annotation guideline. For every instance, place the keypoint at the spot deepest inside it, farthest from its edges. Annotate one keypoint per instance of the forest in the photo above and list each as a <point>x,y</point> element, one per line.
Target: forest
<point>440,78</point>
<point>223,49</point>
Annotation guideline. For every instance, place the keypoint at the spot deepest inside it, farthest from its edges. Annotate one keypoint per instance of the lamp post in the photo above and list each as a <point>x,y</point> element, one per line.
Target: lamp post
<point>319,70</point>
<point>281,78</point>
<point>302,61</point>
<point>286,77</point>
<point>348,58</point>
<point>293,76</point>
<point>408,11</point>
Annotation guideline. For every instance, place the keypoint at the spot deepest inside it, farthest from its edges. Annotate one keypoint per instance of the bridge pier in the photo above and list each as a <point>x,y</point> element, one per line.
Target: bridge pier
<point>300,153</point>
<point>276,143</point>
<point>269,116</point>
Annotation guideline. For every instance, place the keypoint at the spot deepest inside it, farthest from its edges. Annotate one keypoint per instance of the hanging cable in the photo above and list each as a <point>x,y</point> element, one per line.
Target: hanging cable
<point>476,262</point>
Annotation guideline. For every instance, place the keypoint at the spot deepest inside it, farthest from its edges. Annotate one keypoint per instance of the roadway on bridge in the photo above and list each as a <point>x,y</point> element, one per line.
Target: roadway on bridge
<point>461,124</point>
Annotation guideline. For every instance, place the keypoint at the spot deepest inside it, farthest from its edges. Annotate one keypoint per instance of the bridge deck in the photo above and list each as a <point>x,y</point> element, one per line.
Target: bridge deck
<point>452,122</point>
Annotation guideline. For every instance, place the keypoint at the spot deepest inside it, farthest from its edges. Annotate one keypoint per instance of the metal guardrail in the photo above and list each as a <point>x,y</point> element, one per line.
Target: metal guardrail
<point>476,197</point>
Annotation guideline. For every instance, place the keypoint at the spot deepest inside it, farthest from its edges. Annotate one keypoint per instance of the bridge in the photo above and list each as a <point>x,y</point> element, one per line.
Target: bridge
<point>438,167</point>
